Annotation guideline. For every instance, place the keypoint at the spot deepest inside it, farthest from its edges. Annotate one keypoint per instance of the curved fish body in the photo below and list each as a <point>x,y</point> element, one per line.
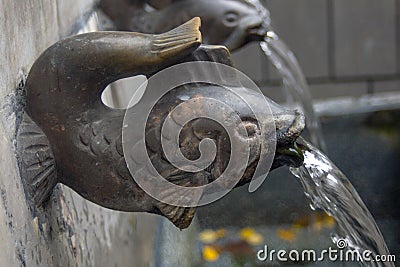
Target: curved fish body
<point>83,144</point>
<point>231,23</point>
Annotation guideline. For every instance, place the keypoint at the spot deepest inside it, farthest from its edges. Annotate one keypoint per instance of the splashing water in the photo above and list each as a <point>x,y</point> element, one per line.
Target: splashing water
<point>330,190</point>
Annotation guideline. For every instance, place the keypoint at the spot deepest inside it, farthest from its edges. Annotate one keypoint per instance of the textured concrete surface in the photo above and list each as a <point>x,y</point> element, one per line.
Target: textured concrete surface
<point>386,86</point>
<point>338,43</point>
<point>175,247</point>
<point>249,60</point>
<point>303,25</point>
<point>276,93</point>
<point>365,37</point>
<point>320,91</point>
<point>68,231</point>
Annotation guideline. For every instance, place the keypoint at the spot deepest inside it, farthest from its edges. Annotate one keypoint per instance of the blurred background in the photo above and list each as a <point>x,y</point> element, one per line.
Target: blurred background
<point>345,48</point>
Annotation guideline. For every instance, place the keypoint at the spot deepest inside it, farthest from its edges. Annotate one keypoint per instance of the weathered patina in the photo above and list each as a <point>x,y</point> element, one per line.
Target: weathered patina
<point>69,136</point>
<point>231,23</point>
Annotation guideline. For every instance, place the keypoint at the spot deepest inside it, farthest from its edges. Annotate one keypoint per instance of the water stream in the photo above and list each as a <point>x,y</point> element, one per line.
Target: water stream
<point>330,190</point>
<point>294,81</point>
<point>323,183</point>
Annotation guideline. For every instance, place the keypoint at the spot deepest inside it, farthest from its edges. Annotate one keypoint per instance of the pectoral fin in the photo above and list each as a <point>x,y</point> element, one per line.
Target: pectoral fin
<point>181,217</point>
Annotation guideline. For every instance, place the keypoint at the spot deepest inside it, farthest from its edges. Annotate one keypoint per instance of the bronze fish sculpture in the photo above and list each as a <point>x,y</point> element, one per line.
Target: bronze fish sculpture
<point>69,136</point>
<point>231,23</point>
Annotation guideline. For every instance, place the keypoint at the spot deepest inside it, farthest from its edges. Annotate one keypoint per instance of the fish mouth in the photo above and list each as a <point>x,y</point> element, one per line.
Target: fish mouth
<point>257,33</point>
<point>288,129</point>
<point>291,155</point>
<point>257,30</point>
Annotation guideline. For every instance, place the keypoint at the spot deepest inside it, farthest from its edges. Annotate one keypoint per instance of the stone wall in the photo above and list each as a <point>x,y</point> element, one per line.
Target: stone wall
<point>68,230</point>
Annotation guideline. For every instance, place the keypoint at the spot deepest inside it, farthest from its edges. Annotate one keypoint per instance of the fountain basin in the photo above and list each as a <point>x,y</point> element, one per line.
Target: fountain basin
<point>365,146</point>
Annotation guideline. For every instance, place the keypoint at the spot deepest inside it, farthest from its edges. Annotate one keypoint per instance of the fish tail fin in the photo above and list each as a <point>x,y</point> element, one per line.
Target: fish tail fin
<point>36,161</point>
<point>185,37</point>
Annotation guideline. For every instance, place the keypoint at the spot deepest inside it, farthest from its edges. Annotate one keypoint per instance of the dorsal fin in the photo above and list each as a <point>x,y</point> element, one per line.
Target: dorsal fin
<point>183,37</point>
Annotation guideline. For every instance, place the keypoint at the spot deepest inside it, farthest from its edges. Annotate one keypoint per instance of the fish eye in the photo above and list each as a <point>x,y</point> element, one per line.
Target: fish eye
<point>230,18</point>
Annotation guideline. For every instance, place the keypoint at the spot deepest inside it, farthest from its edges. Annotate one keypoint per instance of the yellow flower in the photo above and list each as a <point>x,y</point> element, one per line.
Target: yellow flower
<point>208,236</point>
<point>329,221</point>
<point>220,233</point>
<point>324,221</point>
<point>210,253</point>
<point>255,239</point>
<point>297,226</point>
<point>246,232</point>
<point>318,225</point>
<point>251,236</point>
<point>287,235</point>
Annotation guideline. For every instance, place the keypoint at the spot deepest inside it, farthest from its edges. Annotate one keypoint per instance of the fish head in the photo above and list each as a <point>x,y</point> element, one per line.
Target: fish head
<point>257,123</point>
<point>234,131</point>
<point>271,131</point>
<point>232,23</point>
